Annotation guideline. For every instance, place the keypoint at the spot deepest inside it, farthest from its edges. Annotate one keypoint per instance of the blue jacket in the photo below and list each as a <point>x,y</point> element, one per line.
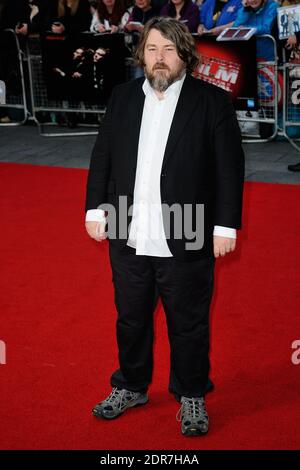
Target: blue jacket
<point>228,13</point>
<point>263,20</point>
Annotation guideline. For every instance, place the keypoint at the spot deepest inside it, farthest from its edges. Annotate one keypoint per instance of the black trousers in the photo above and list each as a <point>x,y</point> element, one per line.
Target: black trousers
<point>185,289</point>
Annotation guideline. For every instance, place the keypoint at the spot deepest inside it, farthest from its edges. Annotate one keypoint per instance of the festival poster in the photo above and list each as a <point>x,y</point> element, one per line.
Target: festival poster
<point>83,67</point>
<point>232,66</point>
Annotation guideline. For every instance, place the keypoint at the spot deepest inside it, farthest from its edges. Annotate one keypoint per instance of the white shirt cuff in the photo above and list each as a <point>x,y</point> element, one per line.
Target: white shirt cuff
<point>220,231</point>
<point>95,215</point>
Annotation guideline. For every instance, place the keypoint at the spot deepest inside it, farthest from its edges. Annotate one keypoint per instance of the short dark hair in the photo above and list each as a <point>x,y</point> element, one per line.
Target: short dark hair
<point>175,32</point>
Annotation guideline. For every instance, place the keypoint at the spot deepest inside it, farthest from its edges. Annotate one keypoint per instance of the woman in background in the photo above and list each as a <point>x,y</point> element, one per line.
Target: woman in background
<point>108,16</point>
<point>68,16</point>
<point>183,10</point>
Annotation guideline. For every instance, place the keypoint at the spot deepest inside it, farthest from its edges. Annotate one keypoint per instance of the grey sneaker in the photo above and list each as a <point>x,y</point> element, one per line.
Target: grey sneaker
<point>117,402</point>
<point>193,416</point>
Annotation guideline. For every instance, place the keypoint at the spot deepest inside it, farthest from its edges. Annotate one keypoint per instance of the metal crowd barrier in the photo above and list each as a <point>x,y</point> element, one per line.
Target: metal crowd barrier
<point>278,88</point>
<point>12,97</point>
<point>44,110</point>
<point>262,125</point>
<point>47,111</point>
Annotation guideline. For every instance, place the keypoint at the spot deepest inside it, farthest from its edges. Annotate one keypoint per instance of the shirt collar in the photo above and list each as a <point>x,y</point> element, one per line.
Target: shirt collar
<point>174,88</point>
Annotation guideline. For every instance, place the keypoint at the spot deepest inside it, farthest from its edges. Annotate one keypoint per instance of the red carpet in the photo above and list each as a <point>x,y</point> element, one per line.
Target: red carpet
<point>58,323</point>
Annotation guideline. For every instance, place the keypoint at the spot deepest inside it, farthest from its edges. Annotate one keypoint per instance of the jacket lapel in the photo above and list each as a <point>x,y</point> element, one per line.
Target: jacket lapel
<point>187,101</point>
<point>137,106</point>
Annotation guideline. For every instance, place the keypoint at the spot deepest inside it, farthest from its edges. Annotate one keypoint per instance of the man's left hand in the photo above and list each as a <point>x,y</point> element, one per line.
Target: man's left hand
<point>223,245</point>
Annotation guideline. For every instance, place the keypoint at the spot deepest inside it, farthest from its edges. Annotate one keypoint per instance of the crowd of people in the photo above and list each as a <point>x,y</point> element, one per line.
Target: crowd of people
<point>130,16</point>
<point>202,17</point>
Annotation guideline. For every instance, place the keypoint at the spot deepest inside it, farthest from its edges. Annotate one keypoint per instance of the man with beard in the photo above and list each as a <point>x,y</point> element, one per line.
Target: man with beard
<point>168,142</point>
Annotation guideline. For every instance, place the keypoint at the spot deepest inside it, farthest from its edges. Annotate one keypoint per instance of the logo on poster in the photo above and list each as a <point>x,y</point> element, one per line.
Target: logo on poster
<point>295,357</point>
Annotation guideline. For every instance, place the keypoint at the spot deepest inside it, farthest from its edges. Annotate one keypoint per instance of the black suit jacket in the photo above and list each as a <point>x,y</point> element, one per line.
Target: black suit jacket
<point>203,161</point>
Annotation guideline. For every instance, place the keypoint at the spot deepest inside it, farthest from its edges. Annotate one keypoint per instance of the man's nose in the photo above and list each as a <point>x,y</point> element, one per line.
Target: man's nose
<point>160,56</point>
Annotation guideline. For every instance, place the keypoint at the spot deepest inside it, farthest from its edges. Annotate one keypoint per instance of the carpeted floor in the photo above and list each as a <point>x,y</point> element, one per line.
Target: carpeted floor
<point>58,324</point>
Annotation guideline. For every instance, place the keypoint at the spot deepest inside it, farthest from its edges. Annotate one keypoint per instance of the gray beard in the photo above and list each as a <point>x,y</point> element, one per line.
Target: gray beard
<point>160,82</point>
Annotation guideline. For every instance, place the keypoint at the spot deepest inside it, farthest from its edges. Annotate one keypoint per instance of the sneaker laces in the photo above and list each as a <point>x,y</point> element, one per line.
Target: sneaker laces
<point>119,398</point>
<point>192,409</point>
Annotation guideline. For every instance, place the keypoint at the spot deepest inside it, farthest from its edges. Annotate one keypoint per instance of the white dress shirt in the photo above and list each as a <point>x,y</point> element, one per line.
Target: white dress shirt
<point>146,232</point>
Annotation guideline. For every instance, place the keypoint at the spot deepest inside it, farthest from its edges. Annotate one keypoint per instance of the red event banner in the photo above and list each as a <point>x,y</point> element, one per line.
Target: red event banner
<point>231,65</point>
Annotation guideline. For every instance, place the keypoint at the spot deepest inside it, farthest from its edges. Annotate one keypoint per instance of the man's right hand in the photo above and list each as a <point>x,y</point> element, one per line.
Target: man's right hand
<point>96,230</point>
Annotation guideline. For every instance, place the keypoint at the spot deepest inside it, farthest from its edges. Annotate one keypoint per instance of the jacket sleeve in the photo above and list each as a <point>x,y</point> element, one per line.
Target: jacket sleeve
<point>243,17</point>
<point>99,170</point>
<point>229,165</point>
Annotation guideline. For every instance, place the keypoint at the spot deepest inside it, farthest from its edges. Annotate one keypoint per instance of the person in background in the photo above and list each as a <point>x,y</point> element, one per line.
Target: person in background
<point>217,15</point>
<point>37,16</point>
<point>14,15</point>
<point>30,15</point>
<point>142,12</point>
<point>68,16</point>
<point>184,11</point>
<point>259,14</point>
<point>108,16</point>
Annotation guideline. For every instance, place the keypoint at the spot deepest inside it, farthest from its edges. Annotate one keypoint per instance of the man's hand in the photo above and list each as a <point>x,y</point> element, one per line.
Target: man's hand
<point>223,245</point>
<point>96,230</point>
